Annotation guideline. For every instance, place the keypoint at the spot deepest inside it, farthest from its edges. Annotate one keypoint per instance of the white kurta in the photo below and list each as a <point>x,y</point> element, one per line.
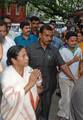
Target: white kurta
<point>16,105</point>
<point>6,45</point>
<point>68,55</point>
<point>66,85</point>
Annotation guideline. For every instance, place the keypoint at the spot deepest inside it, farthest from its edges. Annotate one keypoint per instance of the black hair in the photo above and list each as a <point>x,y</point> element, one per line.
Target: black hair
<point>1,18</point>
<point>81,26</point>
<point>70,34</point>
<point>24,23</point>
<point>52,22</point>
<point>34,18</point>
<point>3,23</point>
<point>13,53</point>
<point>6,17</point>
<point>45,27</point>
<point>41,22</point>
<point>1,39</point>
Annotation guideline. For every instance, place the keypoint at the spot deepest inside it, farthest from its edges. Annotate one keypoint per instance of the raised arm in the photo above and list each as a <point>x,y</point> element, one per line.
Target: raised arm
<point>34,77</point>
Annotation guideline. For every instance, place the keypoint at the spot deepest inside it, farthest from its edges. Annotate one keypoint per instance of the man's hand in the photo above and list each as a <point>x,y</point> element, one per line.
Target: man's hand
<point>40,89</point>
<point>75,81</point>
<point>76,58</point>
<point>67,71</point>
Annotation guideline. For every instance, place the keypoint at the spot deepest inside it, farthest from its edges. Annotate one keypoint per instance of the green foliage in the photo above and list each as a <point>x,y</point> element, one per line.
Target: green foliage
<point>58,7</point>
<point>51,7</point>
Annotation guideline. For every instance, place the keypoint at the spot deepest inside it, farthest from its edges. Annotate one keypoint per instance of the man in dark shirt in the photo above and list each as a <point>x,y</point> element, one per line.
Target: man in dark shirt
<point>45,57</point>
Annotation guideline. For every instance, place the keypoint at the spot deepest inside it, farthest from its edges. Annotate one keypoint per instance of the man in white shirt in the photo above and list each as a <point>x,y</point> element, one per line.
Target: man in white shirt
<point>11,33</point>
<point>71,55</point>
<point>7,43</point>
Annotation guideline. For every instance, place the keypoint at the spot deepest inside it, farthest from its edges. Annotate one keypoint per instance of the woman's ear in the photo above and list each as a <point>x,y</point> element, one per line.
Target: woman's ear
<point>13,61</point>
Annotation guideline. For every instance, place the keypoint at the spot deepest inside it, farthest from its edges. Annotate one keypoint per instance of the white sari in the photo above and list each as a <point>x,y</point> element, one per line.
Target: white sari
<point>16,105</point>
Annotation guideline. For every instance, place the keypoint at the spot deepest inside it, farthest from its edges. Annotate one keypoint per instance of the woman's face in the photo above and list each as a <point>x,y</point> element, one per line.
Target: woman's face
<point>22,58</point>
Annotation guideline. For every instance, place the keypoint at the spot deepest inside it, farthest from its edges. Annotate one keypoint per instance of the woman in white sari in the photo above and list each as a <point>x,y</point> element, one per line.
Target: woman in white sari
<point>19,89</point>
<point>1,52</point>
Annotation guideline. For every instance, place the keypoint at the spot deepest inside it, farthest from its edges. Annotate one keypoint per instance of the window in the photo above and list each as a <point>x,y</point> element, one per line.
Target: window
<point>17,10</point>
<point>8,10</point>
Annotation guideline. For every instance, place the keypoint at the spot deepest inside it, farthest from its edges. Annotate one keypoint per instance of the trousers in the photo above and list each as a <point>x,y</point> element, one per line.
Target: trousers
<point>66,87</point>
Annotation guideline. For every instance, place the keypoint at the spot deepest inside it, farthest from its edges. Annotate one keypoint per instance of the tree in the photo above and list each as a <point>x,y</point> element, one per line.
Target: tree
<point>58,7</point>
<point>52,7</point>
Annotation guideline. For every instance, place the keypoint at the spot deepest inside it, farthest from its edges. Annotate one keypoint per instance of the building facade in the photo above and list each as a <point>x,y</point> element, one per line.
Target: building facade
<point>15,12</point>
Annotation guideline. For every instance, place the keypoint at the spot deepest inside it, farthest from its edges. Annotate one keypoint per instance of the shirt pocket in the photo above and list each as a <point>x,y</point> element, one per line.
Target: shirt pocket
<point>36,61</point>
<point>50,60</point>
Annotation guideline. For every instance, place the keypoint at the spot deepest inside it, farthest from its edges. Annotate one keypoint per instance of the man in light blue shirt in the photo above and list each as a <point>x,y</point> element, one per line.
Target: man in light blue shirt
<point>57,42</point>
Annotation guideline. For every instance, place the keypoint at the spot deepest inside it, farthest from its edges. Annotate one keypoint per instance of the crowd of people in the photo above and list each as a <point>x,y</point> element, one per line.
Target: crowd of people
<point>34,63</point>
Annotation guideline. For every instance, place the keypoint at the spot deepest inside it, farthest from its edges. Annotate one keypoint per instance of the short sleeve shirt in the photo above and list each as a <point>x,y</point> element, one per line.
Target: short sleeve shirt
<point>68,55</point>
<point>20,40</point>
<point>46,60</point>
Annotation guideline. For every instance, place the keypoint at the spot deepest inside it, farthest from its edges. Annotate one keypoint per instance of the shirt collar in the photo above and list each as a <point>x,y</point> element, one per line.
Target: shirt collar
<point>38,45</point>
<point>37,35</point>
<point>73,49</point>
<point>24,38</point>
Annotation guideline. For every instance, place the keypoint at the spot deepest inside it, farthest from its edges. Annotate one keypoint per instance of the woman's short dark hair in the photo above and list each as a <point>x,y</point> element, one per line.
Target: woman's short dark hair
<point>45,27</point>
<point>13,53</point>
